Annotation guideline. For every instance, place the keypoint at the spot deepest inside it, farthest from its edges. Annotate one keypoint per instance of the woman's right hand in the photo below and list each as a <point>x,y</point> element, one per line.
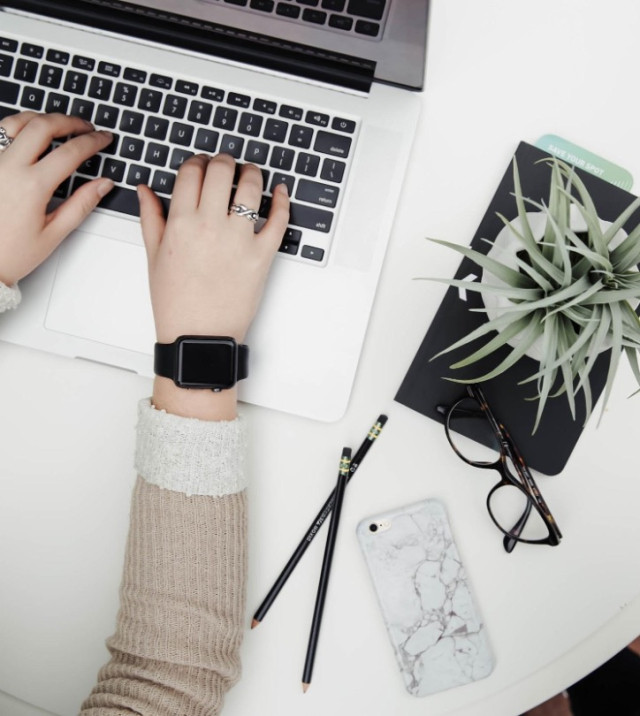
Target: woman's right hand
<point>207,268</point>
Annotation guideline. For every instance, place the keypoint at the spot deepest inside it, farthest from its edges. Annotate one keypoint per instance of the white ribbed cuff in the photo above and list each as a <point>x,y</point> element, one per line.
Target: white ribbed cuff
<point>9,297</point>
<point>197,457</point>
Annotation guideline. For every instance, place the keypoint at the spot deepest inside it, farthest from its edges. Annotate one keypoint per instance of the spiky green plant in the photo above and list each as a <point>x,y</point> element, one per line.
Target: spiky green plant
<point>572,291</point>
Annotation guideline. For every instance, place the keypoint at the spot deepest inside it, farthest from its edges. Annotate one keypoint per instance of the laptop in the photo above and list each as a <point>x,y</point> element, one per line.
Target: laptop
<point>320,94</point>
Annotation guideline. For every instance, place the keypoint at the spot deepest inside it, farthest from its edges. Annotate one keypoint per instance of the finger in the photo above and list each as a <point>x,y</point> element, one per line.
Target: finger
<point>272,232</point>
<point>216,191</point>
<point>71,213</point>
<point>65,159</point>
<point>152,219</point>
<point>15,123</point>
<point>38,133</point>
<point>249,191</point>
<point>188,187</point>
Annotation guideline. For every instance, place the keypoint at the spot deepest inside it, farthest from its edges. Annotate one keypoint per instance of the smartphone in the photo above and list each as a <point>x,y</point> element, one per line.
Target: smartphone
<point>436,631</point>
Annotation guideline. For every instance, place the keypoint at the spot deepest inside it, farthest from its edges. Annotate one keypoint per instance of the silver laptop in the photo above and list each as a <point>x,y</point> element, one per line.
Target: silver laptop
<point>320,94</point>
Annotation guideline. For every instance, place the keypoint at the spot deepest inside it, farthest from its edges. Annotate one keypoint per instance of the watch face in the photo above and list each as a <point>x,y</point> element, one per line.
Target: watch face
<point>206,363</point>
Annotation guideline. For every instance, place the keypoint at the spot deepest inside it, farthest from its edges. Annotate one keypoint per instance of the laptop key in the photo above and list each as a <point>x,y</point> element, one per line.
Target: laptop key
<point>163,182</point>
<point>250,124</point>
<point>309,217</point>
<point>109,68</point>
<point>131,122</point>
<point>300,136</point>
<point>32,50</point>
<point>317,17</point>
<point>107,116</point>
<point>161,81</point>
<point>100,88</point>
<point>157,154</point>
<point>313,253</point>
<point>181,134</point>
<point>333,170</point>
<point>370,9</point>
<point>8,45</point>
<point>185,87</point>
<point>343,125</point>
<point>6,65</point>
<point>275,130</point>
<point>314,192</point>
<point>263,5</point>
<point>82,108</point>
<point>179,157</point>
<point>212,93</point>
<point>60,58</point>
<point>289,112</point>
<point>131,148</point>
<point>113,169</point>
<point>120,199</point>
<point>83,63</point>
<point>365,27</point>
<point>131,74</point>
<point>285,179</point>
<point>174,106</point>
<point>112,147</point>
<point>32,98</point>
<point>317,118</point>
<point>307,164</point>
<point>257,152</point>
<point>238,100</point>
<point>335,144</point>
<point>150,100</point>
<point>56,103</point>
<point>206,140</point>
<point>75,82</point>
<point>333,5</point>
<point>282,158</point>
<point>26,70</point>
<point>200,112</point>
<point>156,128</point>
<point>50,76</point>
<point>225,118</point>
<point>286,10</point>
<point>7,111</point>
<point>9,92</point>
<point>125,94</point>
<point>340,22</point>
<point>138,175</point>
<point>91,166</point>
<point>232,145</point>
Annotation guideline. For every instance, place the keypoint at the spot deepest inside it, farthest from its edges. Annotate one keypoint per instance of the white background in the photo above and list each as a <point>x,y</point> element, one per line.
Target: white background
<point>498,72</point>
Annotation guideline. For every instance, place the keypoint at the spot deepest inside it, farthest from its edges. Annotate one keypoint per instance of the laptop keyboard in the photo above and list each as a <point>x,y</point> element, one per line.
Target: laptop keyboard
<point>159,120</point>
<point>361,18</point>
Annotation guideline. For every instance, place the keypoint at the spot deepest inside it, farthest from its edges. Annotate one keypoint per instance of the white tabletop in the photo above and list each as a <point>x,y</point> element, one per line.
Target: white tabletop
<point>498,72</point>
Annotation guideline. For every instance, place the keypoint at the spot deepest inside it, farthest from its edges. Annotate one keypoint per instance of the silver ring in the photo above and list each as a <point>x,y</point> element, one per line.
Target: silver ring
<point>244,211</point>
<point>5,139</point>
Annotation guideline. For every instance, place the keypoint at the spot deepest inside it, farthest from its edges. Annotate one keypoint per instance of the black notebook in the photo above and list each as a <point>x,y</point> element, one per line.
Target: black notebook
<point>424,386</point>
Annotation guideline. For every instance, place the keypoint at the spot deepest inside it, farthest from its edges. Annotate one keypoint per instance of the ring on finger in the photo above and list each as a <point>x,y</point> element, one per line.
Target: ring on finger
<point>5,139</point>
<point>244,211</point>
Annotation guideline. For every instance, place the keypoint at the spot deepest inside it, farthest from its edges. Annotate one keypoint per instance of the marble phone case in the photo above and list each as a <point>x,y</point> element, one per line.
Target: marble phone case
<point>437,634</point>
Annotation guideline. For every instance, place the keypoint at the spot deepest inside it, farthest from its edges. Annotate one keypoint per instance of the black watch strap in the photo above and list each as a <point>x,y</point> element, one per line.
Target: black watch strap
<point>165,357</point>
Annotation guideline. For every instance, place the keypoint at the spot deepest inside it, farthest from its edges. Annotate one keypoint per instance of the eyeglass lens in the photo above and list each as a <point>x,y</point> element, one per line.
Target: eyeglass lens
<point>474,438</point>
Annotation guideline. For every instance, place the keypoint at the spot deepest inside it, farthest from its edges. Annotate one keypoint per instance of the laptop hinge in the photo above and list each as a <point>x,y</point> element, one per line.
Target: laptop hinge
<point>200,36</point>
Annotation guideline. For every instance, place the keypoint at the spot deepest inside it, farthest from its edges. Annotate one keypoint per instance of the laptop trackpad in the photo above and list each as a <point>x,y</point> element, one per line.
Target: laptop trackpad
<point>101,293</point>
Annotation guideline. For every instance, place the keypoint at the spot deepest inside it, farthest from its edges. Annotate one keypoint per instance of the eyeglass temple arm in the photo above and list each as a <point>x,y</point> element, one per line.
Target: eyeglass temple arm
<point>511,540</point>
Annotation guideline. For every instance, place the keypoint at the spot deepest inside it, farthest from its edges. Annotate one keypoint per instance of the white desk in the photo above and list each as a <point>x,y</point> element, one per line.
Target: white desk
<point>498,71</point>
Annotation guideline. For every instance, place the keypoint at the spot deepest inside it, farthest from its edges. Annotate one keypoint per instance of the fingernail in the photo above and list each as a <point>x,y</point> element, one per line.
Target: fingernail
<point>283,189</point>
<point>104,187</point>
<point>88,123</point>
<point>106,132</point>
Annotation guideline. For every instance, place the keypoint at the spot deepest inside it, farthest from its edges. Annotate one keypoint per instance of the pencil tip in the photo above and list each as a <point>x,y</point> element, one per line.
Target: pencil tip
<point>254,623</point>
<point>305,687</point>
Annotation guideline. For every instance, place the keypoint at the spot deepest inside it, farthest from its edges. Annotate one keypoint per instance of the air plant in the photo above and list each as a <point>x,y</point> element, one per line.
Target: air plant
<point>571,291</point>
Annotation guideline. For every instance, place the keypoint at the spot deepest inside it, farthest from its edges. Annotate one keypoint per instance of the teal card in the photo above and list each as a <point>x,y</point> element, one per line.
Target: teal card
<point>585,160</point>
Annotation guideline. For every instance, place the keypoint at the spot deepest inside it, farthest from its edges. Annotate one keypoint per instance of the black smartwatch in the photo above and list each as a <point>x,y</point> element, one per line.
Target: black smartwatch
<point>213,362</point>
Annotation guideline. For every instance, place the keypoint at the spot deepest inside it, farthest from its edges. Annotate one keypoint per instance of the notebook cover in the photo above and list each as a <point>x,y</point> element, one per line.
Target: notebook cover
<point>423,387</point>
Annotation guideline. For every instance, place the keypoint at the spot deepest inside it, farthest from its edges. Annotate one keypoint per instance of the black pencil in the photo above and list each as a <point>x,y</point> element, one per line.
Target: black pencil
<point>343,474</point>
<point>315,526</point>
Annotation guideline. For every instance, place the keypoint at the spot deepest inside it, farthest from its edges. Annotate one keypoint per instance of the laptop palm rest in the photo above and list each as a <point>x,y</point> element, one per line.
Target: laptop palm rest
<point>100,293</point>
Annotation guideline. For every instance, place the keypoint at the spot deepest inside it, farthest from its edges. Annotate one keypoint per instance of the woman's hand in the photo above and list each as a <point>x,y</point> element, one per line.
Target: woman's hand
<point>27,182</point>
<point>207,268</point>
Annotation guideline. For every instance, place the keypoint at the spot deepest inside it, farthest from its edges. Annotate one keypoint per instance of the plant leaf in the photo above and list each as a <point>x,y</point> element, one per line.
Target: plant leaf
<point>492,345</point>
<point>621,220</point>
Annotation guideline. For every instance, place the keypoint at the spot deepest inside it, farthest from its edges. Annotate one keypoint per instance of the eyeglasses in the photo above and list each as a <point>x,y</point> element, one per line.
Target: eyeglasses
<point>515,504</point>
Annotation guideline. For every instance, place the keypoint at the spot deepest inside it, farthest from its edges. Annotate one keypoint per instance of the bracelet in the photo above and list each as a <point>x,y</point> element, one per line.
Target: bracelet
<point>9,297</point>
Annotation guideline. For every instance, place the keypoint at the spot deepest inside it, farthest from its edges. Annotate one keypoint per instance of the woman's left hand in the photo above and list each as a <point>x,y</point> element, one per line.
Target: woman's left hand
<point>28,180</point>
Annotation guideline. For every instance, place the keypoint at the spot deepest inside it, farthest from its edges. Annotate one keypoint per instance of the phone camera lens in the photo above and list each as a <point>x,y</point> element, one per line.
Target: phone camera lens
<point>373,527</point>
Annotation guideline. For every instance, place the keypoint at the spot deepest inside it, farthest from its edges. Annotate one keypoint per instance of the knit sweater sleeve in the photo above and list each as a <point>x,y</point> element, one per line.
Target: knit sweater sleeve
<point>180,623</point>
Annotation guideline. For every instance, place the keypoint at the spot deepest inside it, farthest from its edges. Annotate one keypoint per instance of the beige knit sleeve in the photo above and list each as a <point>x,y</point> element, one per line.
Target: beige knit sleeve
<point>181,620</point>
